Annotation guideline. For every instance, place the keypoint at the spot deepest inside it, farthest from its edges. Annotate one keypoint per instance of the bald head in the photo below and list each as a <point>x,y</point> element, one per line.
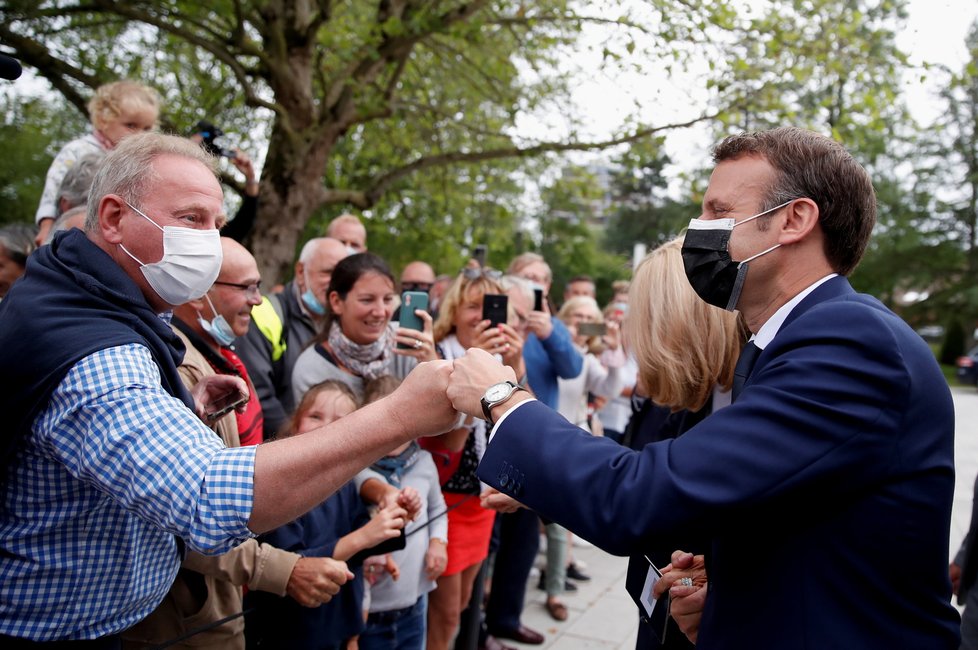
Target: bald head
<point>349,230</point>
<point>315,267</point>
<point>417,276</point>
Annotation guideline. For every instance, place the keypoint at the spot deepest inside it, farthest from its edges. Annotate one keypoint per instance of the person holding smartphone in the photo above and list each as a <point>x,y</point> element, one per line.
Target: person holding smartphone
<point>358,341</point>
<point>461,325</point>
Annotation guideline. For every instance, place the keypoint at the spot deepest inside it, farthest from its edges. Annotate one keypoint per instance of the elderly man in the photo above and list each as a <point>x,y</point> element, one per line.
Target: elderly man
<point>211,586</point>
<point>349,230</point>
<point>108,469</point>
<point>282,324</point>
<point>834,464</point>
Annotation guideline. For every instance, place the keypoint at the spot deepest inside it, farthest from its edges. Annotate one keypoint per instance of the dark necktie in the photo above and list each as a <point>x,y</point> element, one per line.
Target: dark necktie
<point>748,357</point>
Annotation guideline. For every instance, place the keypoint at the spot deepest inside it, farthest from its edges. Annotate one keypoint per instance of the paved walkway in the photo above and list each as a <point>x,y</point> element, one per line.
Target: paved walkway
<point>603,616</point>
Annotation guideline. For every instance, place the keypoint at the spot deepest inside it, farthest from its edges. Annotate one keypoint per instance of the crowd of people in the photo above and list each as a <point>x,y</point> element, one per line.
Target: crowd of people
<point>213,464</point>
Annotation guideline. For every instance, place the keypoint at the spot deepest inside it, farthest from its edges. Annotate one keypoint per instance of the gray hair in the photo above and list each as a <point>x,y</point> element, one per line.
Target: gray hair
<point>309,249</point>
<point>128,169</point>
<point>77,182</point>
<point>17,240</point>
<point>61,223</point>
<point>516,282</point>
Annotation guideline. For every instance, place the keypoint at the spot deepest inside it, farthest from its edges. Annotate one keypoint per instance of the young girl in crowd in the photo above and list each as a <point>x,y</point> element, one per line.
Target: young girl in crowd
<point>340,528</point>
<point>116,110</point>
<point>398,608</point>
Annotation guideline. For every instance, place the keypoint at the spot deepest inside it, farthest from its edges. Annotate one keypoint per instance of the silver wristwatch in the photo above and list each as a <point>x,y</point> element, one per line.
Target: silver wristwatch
<point>497,394</point>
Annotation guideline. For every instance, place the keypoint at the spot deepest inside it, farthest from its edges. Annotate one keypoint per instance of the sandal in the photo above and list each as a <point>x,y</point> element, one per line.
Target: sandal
<point>557,610</point>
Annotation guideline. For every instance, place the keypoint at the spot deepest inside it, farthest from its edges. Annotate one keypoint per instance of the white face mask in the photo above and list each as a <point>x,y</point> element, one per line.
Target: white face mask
<point>191,262</point>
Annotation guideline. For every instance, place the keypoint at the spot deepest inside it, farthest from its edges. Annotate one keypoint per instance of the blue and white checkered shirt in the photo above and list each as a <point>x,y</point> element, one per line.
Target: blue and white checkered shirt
<point>115,468</point>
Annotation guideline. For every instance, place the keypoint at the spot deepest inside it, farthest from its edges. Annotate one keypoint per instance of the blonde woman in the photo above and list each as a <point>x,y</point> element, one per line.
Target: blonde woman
<point>686,352</point>
<point>460,326</point>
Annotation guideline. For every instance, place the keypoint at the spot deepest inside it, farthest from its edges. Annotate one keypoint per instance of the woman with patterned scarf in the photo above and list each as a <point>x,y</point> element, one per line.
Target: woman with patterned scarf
<point>358,342</point>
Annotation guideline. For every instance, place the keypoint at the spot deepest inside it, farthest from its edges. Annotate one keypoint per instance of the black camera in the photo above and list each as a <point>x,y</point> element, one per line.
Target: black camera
<point>210,133</point>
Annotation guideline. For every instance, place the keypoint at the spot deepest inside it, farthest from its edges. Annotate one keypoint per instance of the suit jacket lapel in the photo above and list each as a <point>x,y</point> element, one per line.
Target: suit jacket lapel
<point>830,289</point>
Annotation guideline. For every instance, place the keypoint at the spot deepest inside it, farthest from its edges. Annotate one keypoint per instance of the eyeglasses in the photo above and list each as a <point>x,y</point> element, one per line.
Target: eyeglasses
<point>253,289</point>
<point>474,273</point>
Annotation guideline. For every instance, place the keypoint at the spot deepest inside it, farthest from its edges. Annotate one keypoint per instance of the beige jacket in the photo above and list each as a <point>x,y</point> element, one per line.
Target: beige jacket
<point>208,589</point>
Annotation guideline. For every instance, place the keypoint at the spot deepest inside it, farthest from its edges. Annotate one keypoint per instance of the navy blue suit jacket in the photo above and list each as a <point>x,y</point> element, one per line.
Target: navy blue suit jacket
<point>825,489</point>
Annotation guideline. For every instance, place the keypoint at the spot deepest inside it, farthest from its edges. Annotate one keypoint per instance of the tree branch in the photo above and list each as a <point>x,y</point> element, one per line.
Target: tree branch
<point>54,70</point>
<point>220,53</point>
<point>382,183</point>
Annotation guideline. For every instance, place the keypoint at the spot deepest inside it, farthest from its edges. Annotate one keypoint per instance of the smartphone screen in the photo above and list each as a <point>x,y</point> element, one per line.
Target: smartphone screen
<point>592,329</point>
<point>494,306</point>
<point>537,298</point>
<point>224,404</point>
<point>411,300</point>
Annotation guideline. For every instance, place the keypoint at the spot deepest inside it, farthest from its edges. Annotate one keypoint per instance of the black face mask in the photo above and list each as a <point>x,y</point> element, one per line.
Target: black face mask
<point>714,276</point>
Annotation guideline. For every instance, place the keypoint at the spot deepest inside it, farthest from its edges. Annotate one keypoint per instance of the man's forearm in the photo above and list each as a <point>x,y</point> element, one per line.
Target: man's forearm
<point>297,473</point>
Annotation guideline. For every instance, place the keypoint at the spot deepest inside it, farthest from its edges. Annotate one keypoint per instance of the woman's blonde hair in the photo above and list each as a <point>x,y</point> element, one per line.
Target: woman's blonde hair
<point>684,346</point>
<point>594,343</point>
<point>483,280</point>
<point>111,99</point>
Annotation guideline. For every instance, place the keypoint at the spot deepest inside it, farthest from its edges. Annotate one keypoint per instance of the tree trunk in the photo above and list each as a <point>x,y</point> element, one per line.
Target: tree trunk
<point>291,190</point>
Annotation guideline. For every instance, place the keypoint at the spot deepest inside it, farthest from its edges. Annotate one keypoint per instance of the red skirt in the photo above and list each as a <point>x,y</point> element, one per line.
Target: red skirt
<point>469,530</point>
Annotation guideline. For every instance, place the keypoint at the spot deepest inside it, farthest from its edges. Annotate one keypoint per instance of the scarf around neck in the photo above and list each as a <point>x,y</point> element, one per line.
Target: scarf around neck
<point>368,361</point>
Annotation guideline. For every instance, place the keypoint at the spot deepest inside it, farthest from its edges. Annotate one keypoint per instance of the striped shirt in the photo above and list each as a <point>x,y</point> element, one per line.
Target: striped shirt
<point>114,470</point>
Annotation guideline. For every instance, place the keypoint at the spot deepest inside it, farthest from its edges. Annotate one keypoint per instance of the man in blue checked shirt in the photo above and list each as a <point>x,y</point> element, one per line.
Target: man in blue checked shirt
<point>108,470</point>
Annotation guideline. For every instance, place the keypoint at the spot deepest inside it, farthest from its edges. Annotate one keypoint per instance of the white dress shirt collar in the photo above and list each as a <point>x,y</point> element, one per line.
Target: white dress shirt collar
<point>774,323</point>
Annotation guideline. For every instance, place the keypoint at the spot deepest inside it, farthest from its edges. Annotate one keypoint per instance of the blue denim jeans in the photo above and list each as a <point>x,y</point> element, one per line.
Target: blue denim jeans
<point>402,629</point>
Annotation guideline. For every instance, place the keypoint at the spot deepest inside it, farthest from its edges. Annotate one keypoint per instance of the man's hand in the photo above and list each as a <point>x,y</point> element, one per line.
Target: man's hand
<point>315,580</point>
<point>435,559</point>
<point>954,572</point>
<point>210,390</point>
<point>493,499</point>
<point>420,404</point>
<point>472,375</point>
<point>687,601</point>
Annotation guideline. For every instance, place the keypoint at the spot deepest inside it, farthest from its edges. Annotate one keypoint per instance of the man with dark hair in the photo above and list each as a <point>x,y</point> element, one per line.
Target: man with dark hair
<point>834,465</point>
<point>580,285</point>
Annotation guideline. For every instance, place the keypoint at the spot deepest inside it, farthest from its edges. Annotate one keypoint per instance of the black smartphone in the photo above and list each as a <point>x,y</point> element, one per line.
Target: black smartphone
<point>537,298</point>
<point>480,253</point>
<point>224,404</point>
<point>411,300</point>
<point>592,329</point>
<point>494,306</point>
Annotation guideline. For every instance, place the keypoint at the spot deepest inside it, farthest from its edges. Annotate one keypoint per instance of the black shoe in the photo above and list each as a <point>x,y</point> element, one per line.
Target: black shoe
<point>575,574</point>
<point>542,582</point>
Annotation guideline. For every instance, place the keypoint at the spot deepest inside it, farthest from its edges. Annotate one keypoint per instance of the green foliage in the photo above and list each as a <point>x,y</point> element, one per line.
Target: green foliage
<point>642,210</point>
<point>829,65</point>
<point>32,131</point>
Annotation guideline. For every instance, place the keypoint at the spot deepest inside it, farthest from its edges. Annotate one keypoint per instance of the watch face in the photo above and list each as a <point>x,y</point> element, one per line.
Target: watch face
<point>497,392</point>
